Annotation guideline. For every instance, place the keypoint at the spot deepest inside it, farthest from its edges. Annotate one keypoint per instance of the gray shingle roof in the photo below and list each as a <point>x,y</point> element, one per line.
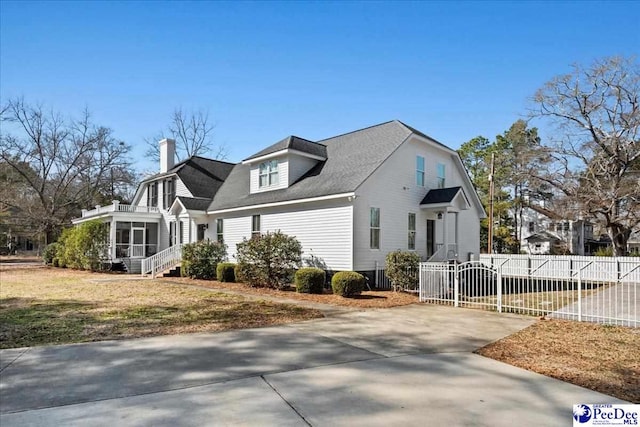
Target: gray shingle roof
<point>203,177</point>
<point>194,204</point>
<point>543,236</point>
<point>338,174</point>
<point>440,195</point>
<point>294,143</point>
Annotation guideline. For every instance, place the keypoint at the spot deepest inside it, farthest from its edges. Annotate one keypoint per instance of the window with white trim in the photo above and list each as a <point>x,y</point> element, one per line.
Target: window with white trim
<point>374,228</point>
<point>268,174</point>
<point>255,225</point>
<point>411,241</point>
<point>219,230</point>
<point>152,194</point>
<point>420,171</point>
<point>441,175</point>
<point>168,192</point>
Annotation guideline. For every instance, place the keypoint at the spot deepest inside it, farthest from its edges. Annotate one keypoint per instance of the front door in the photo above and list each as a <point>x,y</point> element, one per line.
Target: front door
<point>431,238</point>
<point>137,248</point>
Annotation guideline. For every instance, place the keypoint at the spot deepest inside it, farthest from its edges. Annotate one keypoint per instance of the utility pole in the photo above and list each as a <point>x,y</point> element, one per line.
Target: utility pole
<point>490,237</point>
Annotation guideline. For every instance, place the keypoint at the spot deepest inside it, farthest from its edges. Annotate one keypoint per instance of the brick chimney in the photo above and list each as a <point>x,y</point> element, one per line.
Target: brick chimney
<point>167,154</point>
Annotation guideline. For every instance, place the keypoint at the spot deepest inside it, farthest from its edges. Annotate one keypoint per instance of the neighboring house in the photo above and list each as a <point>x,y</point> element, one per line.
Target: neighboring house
<point>544,232</point>
<point>15,236</point>
<point>349,199</point>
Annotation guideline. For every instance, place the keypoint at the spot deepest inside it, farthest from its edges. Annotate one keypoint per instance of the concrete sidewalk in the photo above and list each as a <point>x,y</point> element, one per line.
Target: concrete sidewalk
<point>404,366</point>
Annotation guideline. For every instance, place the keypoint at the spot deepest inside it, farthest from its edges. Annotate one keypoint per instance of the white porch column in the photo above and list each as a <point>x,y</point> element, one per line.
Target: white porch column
<point>445,238</point>
<point>112,237</point>
<point>457,235</point>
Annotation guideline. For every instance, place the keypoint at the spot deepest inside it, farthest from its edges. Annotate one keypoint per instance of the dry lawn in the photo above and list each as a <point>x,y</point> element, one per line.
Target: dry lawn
<point>368,299</point>
<point>599,357</point>
<point>41,306</point>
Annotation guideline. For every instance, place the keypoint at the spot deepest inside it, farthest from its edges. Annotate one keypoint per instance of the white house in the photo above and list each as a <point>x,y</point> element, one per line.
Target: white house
<point>349,199</point>
<point>544,231</point>
<point>148,226</point>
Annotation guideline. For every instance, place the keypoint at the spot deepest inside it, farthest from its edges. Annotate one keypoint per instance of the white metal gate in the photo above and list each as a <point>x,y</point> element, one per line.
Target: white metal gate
<point>585,293</point>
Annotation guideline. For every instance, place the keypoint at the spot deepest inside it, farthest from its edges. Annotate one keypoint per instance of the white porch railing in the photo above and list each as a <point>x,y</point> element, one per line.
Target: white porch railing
<point>593,291</point>
<point>162,261</point>
<point>444,252</point>
<point>117,207</point>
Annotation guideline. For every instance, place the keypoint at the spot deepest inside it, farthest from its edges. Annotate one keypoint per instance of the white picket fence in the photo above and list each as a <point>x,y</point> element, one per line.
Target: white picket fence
<point>573,288</point>
<point>565,267</point>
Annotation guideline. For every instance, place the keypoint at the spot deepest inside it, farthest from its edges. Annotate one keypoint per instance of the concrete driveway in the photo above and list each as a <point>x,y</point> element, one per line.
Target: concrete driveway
<point>404,366</point>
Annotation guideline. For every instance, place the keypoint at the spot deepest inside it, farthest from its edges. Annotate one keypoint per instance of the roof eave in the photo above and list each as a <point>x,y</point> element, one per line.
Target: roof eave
<point>349,195</point>
<point>279,153</point>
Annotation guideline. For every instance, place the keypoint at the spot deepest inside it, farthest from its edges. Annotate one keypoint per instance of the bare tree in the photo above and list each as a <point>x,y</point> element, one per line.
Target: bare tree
<point>193,134</point>
<point>57,166</point>
<point>596,154</point>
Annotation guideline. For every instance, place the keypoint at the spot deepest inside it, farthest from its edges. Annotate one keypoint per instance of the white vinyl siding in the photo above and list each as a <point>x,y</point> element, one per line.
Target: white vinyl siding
<point>392,188</point>
<point>324,231</point>
<point>143,197</point>
<point>181,189</point>
<point>298,166</point>
<point>235,229</point>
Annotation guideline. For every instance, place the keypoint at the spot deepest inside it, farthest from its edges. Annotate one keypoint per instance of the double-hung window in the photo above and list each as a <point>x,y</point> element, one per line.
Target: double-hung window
<point>219,230</point>
<point>374,228</point>
<point>168,192</point>
<point>420,171</point>
<point>411,242</point>
<point>152,194</point>
<point>255,225</point>
<point>268,174</point>
<point>441,175</point>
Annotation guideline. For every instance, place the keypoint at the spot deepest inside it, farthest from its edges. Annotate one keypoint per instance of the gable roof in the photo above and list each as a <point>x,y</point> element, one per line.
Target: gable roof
<point>440,195</point>
<point>542,236</point>
<point>203,177</point>
<point>194,204</point>
<point>294,143</point>
<point>336,175</point>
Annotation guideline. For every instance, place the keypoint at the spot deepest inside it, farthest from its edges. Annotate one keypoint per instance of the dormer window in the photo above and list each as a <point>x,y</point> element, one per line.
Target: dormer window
<point>268,175</point>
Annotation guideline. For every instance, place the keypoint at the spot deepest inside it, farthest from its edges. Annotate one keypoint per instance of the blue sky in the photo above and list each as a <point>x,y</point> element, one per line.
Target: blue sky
<point>265,70</point>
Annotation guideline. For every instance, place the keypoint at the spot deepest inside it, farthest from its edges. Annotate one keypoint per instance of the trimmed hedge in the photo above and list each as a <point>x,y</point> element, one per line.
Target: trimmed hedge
<point>225,272</point>
<point>310,280</point>
<point>347,283</point>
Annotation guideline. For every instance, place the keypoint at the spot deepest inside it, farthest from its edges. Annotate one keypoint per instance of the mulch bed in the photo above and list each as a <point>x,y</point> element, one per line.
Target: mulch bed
<point>368,299</point>
<point>599,357</point>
